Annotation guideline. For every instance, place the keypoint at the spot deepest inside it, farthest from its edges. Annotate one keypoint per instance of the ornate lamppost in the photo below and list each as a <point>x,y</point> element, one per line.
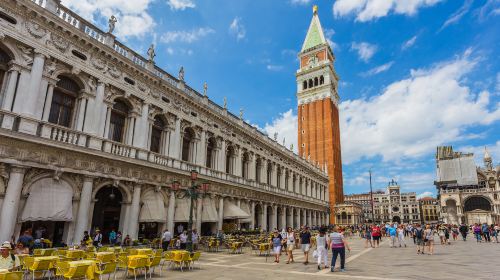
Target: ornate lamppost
<point>195,191</point>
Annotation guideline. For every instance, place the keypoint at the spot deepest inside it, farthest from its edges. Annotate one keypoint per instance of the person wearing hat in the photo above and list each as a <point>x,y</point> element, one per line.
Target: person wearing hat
<point>7,259</point>
<point>97,238</point>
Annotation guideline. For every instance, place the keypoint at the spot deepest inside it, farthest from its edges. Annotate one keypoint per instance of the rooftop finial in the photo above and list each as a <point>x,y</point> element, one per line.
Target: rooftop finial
<point>315,9</point>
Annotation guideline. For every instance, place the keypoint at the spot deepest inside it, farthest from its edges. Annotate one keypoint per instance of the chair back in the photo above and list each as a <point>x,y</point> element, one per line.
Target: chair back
<point>178,257</point>
<point>49,252</point>
<point>108,268</point>
<point>158,252</point>
<point>79,271</point>
<point>168,256</point>
<point>155,262</point>
<point>27,262</point>
<point>196,256</point>
<point>186,257</point>
<point>62,268</point>
<point>18,275</point>
<point>41,265</point>
<point>37,252</point>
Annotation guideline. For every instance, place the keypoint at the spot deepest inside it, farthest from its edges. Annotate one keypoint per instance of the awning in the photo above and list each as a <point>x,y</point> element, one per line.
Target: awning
<point>232,212</point>
<point>209,213</point>
<point>153,209</point>
<point>49,200</point>
<point>181,210</point>
<point>245,207</point>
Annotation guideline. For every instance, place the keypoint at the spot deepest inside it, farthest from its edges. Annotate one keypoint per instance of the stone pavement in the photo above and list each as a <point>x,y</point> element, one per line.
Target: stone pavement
<point>461,260</point>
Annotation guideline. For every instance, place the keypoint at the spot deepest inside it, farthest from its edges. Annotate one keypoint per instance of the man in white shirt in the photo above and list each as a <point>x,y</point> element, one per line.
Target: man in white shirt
<point>7,260</point>
<point>167,236</point>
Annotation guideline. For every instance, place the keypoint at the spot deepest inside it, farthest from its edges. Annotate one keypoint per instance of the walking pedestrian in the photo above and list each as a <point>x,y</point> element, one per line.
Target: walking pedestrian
<point>477,232</point>
<point>305,241</point>
<point>392,233</point>
<point>322,248</point>
<point>463,231</point>
<point>276,243</point>
<point>290,244</point>
<point>401,236</point>
<point>418,235</point>
<point>338,243</point>
<point>376,234</point>
<point>165,240</point>
<point>429,238</point>
<point>486,232</point>
<point>368,236</point>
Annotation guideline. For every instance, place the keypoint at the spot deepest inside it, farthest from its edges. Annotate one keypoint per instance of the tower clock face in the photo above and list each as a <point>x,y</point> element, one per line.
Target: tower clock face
<point>394,192</point>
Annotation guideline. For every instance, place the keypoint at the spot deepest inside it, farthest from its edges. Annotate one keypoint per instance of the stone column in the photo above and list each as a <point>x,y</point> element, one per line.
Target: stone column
<point>41,96</point>
<point>171,212</point>
<point>199,207</point>
<point>283,178</point>
<point>289,217</point>
<point>252,215</point>
<point>130,129</point>
<point>237,162</point>
<point>290,181</point>
<point>80,119</point>
<point>10,90</point>
<point>141,128</point>
<point>202,149</point>
<point>283,217</point>
<point>221,213</point>
<point>251,167</point>
<point>10,206</point>
<point>274,174</point>
<point>82,219</point>
<point>108,120</point>
<point>299,218</point>
<point>133,225</point>
<point>48,103</point>
<point>264,216</point>
<point>29,98</point>
<point>100,110</point>
<point>273,223</point>
<point>238,203</point>
<point>304,216</point>
<point>263,171</point>
<point>176,140</point>
<point>222,156</point>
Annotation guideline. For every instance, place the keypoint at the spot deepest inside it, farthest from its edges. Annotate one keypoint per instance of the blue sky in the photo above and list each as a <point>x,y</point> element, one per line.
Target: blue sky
<point>414,74</point>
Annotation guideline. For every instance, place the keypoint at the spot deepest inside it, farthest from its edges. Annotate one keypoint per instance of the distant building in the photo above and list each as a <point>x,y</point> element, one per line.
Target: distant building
<point>349,213</point>
<point>467,194</point>
<point>388,206</point>
<point>429,210</point>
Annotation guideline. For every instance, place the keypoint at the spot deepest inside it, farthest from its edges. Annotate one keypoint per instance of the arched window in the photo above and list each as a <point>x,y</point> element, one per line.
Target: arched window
<point>310,83</point>
<point>187,143</point>
<point>321,80</point>
<point>229,159</point>
<point>304,85</point>
<point>287,177</point>
<point>63,102</point>
<point>245,159</point>
<point>210,152</point>
<point>117,124</point>
<point>156,132</point>
<point>278,176</point>
<point>316,81</point>
<point>477,203</point>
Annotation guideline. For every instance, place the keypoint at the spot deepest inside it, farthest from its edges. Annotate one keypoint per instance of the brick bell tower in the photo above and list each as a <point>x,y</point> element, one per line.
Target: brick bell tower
<point>318,113</point>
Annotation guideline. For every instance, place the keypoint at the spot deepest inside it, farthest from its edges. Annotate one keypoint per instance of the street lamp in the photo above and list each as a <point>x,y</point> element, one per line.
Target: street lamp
<point>194,192</point>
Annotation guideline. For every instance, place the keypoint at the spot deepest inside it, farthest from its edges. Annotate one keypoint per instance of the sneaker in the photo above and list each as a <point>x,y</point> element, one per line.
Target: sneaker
<point>332,270</point>
<point>342,270</point>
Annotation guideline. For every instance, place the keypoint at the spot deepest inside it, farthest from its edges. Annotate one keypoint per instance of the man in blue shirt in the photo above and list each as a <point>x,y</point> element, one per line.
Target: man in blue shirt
<point>392,234</point>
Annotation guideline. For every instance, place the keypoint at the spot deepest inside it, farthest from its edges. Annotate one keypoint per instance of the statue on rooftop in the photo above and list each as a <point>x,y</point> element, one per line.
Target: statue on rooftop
<point>241,114</point>
<point>181,73</point>
<point>225,103</point>
<point>151,53</point>
<point>111,24</point>
<point>205,88</point>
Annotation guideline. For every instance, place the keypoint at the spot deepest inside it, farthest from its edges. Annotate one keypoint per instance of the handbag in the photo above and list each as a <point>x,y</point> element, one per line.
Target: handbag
<point>315,253</point>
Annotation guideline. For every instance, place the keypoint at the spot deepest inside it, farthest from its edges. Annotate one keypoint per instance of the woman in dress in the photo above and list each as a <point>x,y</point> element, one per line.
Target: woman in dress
<point>429,238</point>
<point>290,243</point>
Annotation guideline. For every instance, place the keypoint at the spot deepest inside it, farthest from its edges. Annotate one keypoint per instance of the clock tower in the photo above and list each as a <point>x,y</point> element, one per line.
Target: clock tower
<point>318,113</point>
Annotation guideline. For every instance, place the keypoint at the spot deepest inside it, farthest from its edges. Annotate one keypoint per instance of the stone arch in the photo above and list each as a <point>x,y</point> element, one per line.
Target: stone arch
<point>12,52</point>
<point>29,184</point>
<point>477,202</point>
<point>126,193</point>
<point>188,139</point>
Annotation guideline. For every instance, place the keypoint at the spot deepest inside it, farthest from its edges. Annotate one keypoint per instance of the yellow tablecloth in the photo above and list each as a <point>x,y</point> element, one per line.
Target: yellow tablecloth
<point>176,252</point>
<point>75,254</point>
<point>52,259</point>
<point>105,257</point>
<point>90,271</point>
<point>263,246</point>
<point>137,257</point>
<point>145,251</point>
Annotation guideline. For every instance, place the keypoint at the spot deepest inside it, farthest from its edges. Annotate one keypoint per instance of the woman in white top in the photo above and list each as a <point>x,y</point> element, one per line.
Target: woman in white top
<point>290,243</point>
<point>322,249</point>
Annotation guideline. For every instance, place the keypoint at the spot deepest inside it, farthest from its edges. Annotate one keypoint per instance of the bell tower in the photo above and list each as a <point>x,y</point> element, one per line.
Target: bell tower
<point>318,113</point>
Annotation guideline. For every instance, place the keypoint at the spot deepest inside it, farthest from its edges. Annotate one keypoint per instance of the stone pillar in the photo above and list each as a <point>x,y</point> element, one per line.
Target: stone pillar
<point>221,213</point>
<point>48,103</point>
<point>251,167</point>
<point>304,217</point>
<point>238,203</point>
<point>10,205</point>
<point>100,110</point>
<point>274,174</point>
<point>199,207</point>
<point>222,156</point>
<point>290,181</point>
<point>10,90</point>
<point>80,119</point>
<point>82,219</point>
<point>171,212</point>
<point>274,216</point>
<point>299,218</point>
<point>141,128</point>
<point>283,218</point>
<point>133,225</point>
<point>252,215</point>
<point>130,129</point>
<point>237,162</point>
<point>175,146</point>
<point>202,149</point>
<point>41,96</point>
<point>283,178</point>
<point>264,216</point>
<point>263,171</point>
<point>108,120</point>
<point>30,98</point>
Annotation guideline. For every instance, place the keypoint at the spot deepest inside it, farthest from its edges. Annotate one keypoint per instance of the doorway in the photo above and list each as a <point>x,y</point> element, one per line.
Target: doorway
<point>107,209</point>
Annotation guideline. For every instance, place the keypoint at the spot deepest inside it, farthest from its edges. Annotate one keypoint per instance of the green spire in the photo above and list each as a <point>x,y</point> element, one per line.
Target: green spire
<point>315,34</point>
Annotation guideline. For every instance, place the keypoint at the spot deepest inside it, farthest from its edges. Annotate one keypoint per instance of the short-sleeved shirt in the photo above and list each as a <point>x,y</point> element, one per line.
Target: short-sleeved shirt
<point>8,263</point>
<point>305,238</point>
<point>277,241</point>
<point>392,231</point>
<point>337,240</point>
<point>167,236</point>
<point>321,241</point>
<point>290,238</point>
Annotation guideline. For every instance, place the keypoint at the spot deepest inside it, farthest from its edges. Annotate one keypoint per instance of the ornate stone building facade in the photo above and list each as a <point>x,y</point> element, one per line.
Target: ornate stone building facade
<point>467,193</point>
<point>395,206</point>
<point>429,210</point>
<point>318,112</point>
<point>92,135</point>
<point>349,213</point>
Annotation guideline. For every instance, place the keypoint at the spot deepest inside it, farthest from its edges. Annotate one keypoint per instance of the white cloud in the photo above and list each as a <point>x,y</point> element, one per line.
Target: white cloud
<point>181,4</point>
<point>133,17</point>
<point>425,194</point>
<point>378,69</point>
<point>328,35</point>
<point>272,67</point>
<point>409,43</point>
<point>413,116</point>
<point>186,36</point>
<point>286,126</point>
<point>237,29</point>
<point>366,10</point>
<point>365,50</point>
<point>300,2</point>
<point>493,150</point>
<point>458,14</point>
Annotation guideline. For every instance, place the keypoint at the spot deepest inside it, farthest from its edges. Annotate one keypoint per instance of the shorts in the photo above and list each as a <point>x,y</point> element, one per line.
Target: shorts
<point>376,238</point>
<point>419,242</point>
<point>306,247</point>
<point>277,249</point>
<point>289,246</point>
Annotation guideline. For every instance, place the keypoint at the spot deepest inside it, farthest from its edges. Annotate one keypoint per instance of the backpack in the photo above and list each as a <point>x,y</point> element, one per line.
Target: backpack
<point>418,233</point>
